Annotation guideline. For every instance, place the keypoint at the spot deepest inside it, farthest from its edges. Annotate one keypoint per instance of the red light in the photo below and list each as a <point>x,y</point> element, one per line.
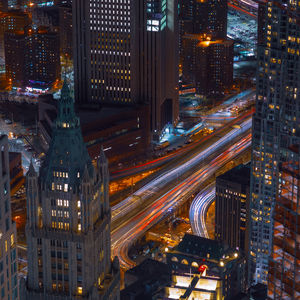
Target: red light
<point>202,268</point>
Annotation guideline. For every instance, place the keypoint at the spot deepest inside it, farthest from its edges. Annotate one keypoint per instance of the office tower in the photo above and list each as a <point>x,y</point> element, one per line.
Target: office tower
<point>202,17</point>
<point>158,69</point>
<point>284,262</point>
<point>65,30</point>
<point>232,207</point>
<point>42,56</point>
<point>275,125</point>
<point>8,238</point>
<point>11,21</point>
<point>208,64</point>
<point>125,53</point>
<point>32,58</point>
<point>68,219</point>
<point>14,58</point>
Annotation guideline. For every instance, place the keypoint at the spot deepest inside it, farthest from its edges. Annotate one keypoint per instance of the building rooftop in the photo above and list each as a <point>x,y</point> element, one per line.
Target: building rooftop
<point>239,174</point>
<point>199,246</point>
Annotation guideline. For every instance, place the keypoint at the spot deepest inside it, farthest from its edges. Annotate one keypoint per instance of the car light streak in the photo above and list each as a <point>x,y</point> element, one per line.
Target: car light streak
<point>124,236</point>
<point>199,209</point>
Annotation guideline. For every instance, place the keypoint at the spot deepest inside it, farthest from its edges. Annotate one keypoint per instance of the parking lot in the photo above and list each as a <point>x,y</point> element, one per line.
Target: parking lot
<point>243,30</point>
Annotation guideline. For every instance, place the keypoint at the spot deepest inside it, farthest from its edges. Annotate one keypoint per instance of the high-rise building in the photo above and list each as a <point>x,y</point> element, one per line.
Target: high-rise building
<point>284,263</point>
<point>232,206</point>
<point>14,57</point>
<point>276,125</point>
<point>32,57</point>
<point>208,66</point>
<point>207,63</point>
<point>9,22</point>
<point>42,56</point>
<point>8,238</point>
<point>68,219</point>
<point>125,52</point>
<point>65,30</point>
<point>202,17</point>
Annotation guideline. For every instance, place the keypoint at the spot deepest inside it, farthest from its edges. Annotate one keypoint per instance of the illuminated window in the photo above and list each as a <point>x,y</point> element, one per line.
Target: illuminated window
<point>65,187</point>
<point>184,262</point>
<point>6,247</point>
<point>79,290</point>
<point>78,204</point>
<point>12,240</point>
<point>194,264</point>
<point>66,203</point>
<point>53,213</point>
<point>79,227</point>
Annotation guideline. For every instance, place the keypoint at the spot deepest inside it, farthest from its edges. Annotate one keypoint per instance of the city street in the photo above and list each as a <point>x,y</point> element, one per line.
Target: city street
<point>131,229</point>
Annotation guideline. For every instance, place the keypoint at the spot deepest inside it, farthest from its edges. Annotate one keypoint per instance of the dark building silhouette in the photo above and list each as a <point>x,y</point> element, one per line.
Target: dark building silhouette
<point>9,289</point>
<point>14,57</point>
<point>232,208</point>
<point>3,5</point>
<point>65,30</point>
<point>124,132</point>
<point>208,64</point>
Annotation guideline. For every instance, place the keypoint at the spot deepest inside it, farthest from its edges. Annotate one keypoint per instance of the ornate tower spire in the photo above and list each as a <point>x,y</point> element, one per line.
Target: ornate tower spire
<point>66,117</point>
<point>68,233</point>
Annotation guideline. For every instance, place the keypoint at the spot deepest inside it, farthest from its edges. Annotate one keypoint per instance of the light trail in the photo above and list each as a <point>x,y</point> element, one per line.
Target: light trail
<point>118,174</point>
<point>150,189</point>
<point>199,209</point>
<point>124,236</point>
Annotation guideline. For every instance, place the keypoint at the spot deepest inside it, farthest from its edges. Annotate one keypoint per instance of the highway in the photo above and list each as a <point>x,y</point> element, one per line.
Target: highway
<point>245,95</point>
<point>198,210</point>
<point>150,189</point>
<point>133,228</point>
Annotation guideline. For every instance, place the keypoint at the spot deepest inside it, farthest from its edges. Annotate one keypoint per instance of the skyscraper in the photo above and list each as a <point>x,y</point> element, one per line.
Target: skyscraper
<point>42,59</point>
<point>14,44</point>
<point>32,57</point>
<point>125,52</point>
<point>206,56</point>
<point>208,64</point>
<point>203,17</point>
<point>284,262</point>
<point>232,206</point>
<point>275,125</point>
<point>8,238</point>
<point>68,219</point>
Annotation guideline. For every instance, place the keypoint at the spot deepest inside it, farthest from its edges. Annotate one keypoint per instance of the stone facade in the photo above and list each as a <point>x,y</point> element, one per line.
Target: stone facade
<point>68,219</point>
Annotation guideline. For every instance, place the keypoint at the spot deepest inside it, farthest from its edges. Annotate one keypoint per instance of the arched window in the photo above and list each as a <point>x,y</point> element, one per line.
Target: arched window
<point>174,259</point>
<point>184,262</point>
<point>195,265</point>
